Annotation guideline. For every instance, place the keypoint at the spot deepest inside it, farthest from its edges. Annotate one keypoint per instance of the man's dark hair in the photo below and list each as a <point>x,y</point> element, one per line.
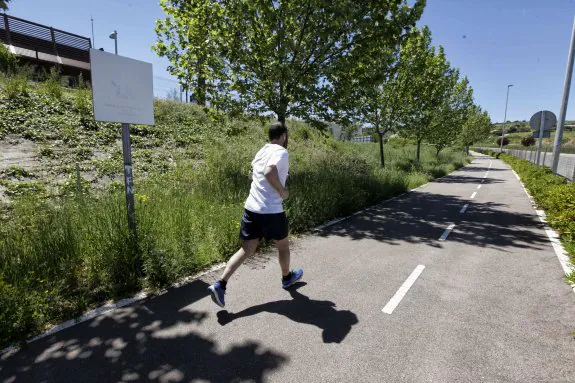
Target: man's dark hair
<point>276,130</point>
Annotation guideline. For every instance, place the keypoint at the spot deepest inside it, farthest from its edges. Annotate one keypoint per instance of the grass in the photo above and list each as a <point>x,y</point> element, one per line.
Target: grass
<point>553,195</point>
<point>64,250</point>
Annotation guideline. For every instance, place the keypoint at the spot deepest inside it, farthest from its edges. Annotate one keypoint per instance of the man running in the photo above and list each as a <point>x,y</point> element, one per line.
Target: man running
<point>264,216</point>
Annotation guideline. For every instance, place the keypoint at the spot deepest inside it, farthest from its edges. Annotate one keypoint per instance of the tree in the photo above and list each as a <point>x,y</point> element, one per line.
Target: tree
<point>428,77</point>
<point>377,104</point>
<point>4,4</point>
<point>475,128</point>
<point>277,56</point>
<point>189,38</point>
<point>448,121</point>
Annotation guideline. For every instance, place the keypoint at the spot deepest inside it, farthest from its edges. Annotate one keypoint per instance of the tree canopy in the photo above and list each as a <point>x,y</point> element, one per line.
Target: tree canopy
<point>277,56</point>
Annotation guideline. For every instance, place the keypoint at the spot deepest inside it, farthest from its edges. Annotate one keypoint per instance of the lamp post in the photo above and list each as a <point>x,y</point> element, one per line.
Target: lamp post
<point>504,119</point>
<point>114,36</point>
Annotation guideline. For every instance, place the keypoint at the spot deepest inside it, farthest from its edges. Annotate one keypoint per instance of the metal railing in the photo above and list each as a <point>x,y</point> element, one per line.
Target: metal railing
<point>565,168</point>
<point>43,39</point>
<point>362,139</point>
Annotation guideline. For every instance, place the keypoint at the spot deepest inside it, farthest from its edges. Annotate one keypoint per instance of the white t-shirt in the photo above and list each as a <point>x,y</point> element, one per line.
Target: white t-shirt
<point>263,198</point>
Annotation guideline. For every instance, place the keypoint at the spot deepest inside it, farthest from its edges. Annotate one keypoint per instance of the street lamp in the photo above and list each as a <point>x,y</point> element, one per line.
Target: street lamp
<point>114,36</point>
<point>504,119</point>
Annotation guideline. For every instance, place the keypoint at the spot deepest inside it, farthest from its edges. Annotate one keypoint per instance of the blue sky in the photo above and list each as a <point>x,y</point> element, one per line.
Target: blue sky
<point>493,42</point>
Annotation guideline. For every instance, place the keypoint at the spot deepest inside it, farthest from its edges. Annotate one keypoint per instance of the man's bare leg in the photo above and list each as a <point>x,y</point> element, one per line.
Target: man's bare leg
<point>284,255</point>
<point>248,248</point>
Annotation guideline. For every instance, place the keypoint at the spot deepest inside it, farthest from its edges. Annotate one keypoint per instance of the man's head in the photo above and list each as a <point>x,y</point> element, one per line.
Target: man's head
<point>278,134</point>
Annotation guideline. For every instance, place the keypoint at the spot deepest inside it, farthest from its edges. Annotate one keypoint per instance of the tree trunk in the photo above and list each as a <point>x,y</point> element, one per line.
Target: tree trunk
<point>438,149</point>
<point>418,150</point>
<point>201,87</point>
<point>381,149</point>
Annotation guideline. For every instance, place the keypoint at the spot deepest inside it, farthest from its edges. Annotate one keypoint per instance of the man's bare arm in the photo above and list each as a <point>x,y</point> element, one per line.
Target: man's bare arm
<point>272,175</point>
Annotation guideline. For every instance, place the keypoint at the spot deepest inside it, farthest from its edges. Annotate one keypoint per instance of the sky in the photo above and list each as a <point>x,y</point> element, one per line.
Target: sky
<point>493,42</point>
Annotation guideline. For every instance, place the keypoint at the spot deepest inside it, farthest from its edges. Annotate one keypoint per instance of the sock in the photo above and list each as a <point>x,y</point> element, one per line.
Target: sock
<point>287,277</point>
<point>223,283</point>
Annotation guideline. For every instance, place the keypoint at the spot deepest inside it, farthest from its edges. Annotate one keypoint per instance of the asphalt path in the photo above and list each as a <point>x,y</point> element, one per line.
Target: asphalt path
<point>389,295</point>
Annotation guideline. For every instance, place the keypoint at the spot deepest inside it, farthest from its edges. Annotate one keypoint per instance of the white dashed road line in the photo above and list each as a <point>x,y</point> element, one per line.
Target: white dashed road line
<point>473,195</point>
<point>394,301</point>
<point>478,186</point>
<point>446,232</point>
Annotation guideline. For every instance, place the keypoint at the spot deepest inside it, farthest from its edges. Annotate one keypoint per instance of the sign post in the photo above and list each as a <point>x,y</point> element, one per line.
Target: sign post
<point>564,102</point>
<point>541,130</point>
<point>123,92</point>
<point>541,123</point>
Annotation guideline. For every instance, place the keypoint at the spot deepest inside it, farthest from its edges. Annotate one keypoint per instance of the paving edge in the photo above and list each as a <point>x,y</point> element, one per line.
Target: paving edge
<point>110,307</point>
<point>142,294</point>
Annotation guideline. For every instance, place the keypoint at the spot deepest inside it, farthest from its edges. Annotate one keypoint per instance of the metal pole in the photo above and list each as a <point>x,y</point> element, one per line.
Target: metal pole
<point>563,112</point>
<point>93,38</point>
<point>541,126</point>
<point>129,181</point>
<point>128,178</point>
<point>116,41</point>
<point>504,119</point>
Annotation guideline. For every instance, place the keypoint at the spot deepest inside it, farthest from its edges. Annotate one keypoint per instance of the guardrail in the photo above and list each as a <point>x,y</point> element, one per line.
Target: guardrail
<point>43,39</point>
<point>565,168</point>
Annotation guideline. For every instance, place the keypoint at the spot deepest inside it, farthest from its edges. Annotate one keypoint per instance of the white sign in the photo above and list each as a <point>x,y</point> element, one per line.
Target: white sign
<point>123,89</point>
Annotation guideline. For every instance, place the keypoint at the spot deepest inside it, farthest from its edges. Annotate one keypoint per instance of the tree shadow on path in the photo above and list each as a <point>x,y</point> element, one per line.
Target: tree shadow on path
<point>336,324</point>
<point>156,340</point>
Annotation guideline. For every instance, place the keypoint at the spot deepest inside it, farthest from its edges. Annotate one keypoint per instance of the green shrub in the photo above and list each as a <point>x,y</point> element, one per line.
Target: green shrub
<point>16,172</point>
<point>48,152</point>
<point>16,86</point>
<point>528,141</point>
<point>8,61</point>
<point>52,85</point>
<point>505,141</point>
<point>83,101</point>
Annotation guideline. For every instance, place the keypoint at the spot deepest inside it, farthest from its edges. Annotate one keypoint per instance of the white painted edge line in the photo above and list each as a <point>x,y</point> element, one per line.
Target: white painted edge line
<point>552,235</point>
<point>554,239</point>
<point>490,163</point>
<point>479,186</point>
<point>446,232</point>
<point>394,301</point>
<point>473,195</point>
<point>464,208</point>
<point>111,307</point>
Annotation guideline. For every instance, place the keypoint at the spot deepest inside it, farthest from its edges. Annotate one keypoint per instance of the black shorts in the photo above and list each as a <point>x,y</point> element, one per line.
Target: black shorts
<point>268,226</point>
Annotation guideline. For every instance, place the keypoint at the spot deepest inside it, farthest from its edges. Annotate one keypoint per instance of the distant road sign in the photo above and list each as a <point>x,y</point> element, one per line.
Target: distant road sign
<point>550,120</point>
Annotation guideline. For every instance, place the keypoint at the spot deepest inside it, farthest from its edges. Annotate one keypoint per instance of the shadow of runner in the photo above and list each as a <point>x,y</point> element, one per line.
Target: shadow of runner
<point>156,340</point>
<point>336,324</point>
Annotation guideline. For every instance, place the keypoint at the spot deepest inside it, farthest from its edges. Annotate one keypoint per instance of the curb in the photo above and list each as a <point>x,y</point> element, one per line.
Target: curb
<point>108,308</point>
